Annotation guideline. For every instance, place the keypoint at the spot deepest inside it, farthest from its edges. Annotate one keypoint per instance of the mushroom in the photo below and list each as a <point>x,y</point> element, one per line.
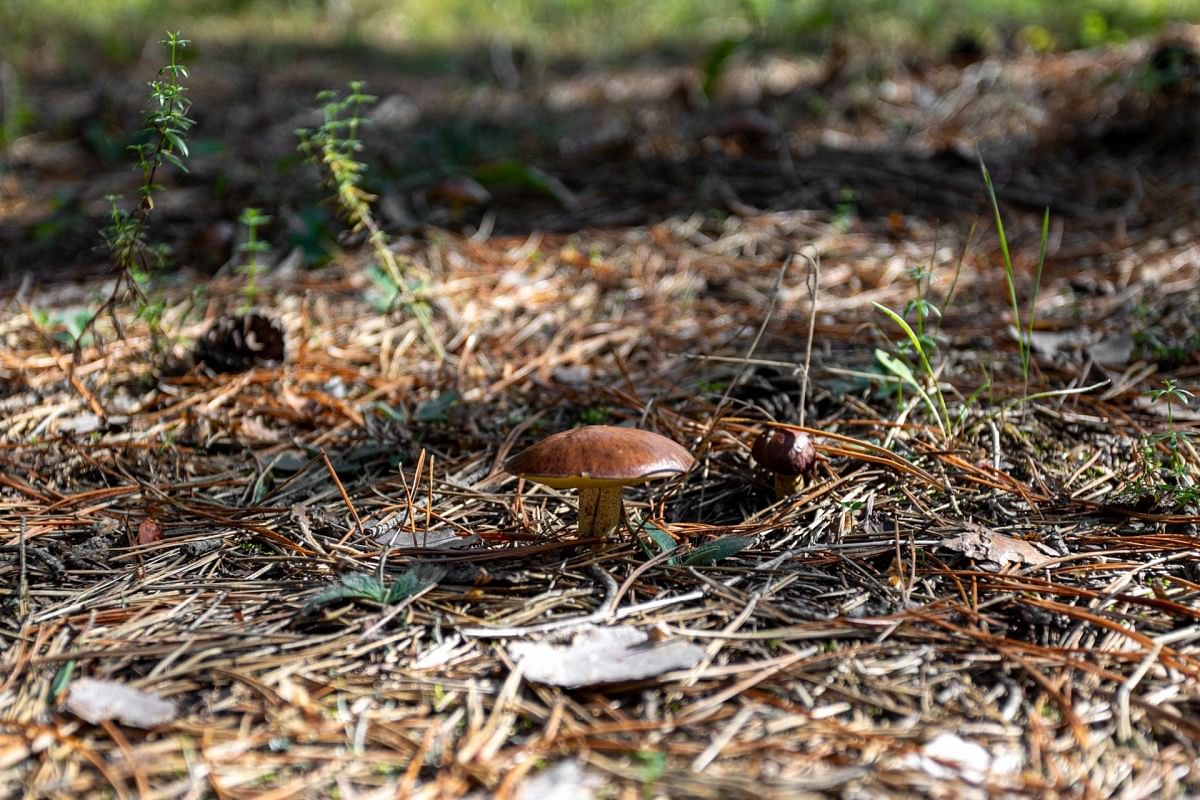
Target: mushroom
<point>750,123</point>
<point>459,193</point>
<point>788,454</point>
<point>599,460</point>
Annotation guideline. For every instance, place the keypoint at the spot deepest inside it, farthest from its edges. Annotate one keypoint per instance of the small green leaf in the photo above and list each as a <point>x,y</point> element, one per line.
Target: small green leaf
<point>435,410</point>
<point>176,141</point>
<point>412,582</point>
<point>715,64</point>
<point>62,678</point>
<point>719,550</point>
<point>514,174</point>
<point>360,586</point>
<point>260,487</point>
<point>652,764</point>
<point>901,371</point>
<point>897,368</point>
<point>352,586</point>
<point>167,155</point>
<point>366,585</point>
<point>661,539</point>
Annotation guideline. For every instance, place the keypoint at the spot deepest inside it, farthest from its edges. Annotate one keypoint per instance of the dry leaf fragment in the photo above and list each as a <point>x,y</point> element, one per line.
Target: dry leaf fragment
<point>1067,346</point>
<point>149,532</point>
<point>306,405</point>
<point>80,424</point>
<point>439,539</point>
<point>948,756</point>
<point>96,701</point>
<point>986,545</point>
<point>296,695</point>
<point>13,751</point>
<point>566,780</point>
<point>1113,350</point>
<point>597,655</point>
<point>254,429</point>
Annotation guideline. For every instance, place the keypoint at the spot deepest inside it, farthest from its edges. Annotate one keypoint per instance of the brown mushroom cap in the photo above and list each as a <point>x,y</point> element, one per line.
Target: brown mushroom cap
<point>459,190</point>
<point>784,451</point>
<point>598,456</point>
<point>751,123</point>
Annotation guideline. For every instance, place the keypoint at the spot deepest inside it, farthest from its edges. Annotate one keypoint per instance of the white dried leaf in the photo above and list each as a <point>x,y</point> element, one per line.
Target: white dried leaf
<point>596,655</point>
<point>1114,350</point>
<point>443,653</point>
<point>291,692</point>
<point>1053,345</point>
<point>96,701</point>
<point>566,780</point>
<point>947,756</point>
<point>441,539</point>
<point>392,532</point>
<point>80,424</point>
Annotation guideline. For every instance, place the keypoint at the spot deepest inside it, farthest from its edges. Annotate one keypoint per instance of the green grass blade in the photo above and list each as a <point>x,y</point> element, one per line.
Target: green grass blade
<point>942,418</point>
<point>1037,277</point>
<point>661,540</point>
<point>1009,275</point>
<point>962,255</point>
<point>719,550</point>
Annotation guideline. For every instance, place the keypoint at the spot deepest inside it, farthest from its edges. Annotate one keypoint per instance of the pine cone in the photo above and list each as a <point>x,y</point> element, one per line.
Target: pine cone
<point>239,343</point>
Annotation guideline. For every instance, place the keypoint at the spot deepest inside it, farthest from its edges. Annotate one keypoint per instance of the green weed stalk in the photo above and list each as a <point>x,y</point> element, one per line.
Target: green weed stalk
<point>253,247</point>
<point>334,146</point>
<point>1171,395</point>
<point>940,414</point>
<point>135,260</point>
<point>919,342</point>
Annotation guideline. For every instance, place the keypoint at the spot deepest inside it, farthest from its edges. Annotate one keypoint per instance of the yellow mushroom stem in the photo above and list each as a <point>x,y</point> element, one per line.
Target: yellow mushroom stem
<point>599,511</point>
<point>787,485</point>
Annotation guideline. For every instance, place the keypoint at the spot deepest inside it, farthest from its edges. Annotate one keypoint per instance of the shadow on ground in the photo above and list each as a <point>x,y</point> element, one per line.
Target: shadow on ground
<point>1101,138</point>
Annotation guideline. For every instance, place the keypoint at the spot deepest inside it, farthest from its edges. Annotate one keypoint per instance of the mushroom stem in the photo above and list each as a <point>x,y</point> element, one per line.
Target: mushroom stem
<point>599,511</point>
<point>787,485</point>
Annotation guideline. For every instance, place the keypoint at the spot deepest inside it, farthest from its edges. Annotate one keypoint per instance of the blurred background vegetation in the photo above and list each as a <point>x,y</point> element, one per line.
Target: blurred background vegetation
<point>464,93</point>
<point>68,32</point>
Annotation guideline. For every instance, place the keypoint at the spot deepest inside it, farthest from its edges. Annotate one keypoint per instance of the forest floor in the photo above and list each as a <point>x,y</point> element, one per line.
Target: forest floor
<point>321,567</point>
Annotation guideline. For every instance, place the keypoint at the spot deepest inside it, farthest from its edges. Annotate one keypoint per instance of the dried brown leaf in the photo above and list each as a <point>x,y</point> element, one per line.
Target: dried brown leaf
<point>149,532</point>
<point>986,545</point>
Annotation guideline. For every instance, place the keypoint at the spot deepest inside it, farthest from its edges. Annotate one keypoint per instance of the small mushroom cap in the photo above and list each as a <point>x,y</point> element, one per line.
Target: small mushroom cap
<point>784,451</point>
<point>459,190</point>
<point>750,123</point>
<point>600,456</point>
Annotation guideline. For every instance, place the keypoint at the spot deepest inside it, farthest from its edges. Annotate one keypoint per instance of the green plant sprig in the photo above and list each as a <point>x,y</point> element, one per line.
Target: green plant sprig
<point>940,414</point>
<point>356,586</point>
<point>253,247</point>
<point>1171,395</point>
<point>168,123</point>
<point>334,147</point>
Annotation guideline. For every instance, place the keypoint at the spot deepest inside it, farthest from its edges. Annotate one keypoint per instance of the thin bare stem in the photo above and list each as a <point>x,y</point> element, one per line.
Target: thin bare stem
<point>813,281</point>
